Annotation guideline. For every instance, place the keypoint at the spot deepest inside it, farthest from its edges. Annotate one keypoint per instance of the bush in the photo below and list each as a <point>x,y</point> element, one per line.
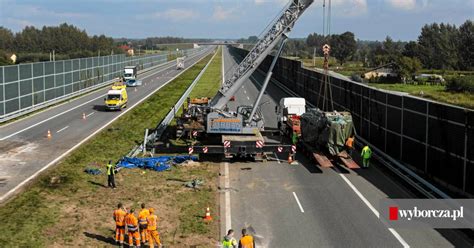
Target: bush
<point>461,84</point>
<point>356,77</point>
<point>385,80</point>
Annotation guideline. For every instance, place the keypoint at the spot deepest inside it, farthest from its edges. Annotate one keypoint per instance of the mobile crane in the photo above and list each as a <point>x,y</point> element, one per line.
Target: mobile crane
<point>239,133</point>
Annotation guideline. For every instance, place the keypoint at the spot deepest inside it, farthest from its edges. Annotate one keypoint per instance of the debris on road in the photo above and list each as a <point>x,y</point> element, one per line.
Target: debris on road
<point>92,171</point>
<point>195,183</point>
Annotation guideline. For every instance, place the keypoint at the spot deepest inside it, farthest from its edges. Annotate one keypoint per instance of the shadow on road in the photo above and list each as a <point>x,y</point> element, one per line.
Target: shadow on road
<point>100,108</point>
<point>311,166</point>
<point>101,238</point>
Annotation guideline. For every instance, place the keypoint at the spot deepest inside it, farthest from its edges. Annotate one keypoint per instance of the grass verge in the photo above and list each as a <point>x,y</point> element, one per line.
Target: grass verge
<point>67,207</point>
<point>433,92</point>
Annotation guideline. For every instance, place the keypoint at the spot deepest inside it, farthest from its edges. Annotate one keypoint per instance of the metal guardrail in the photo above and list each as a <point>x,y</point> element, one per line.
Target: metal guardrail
<point>161,127</point>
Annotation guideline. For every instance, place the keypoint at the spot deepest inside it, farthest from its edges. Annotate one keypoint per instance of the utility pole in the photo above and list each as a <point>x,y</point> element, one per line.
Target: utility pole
<point>314,57</point>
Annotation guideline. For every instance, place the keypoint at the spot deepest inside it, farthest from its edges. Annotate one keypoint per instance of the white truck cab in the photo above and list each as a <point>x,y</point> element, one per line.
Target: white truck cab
<point>290,106</point>
<point>130,72</point>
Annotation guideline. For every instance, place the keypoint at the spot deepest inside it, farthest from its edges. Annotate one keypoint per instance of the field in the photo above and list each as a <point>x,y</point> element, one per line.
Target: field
<point>346,69</point>
<point>433,92</point>
<point>67,207</point>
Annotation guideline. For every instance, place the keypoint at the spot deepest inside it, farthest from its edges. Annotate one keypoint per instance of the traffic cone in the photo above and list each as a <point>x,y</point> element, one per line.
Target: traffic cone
<point>290,158</point>
<point>83,116</point>
<point>49,134</point>
<point>208,215</point>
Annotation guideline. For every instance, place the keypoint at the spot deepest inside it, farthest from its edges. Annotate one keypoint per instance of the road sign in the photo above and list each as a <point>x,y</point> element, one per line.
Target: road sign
<point>190,150</point>
<point>280,149</point>
<point>259,143</point>
<point>195,133</point>
<point>226,143</point>
<point>205,149</point>
<point>293,148</point>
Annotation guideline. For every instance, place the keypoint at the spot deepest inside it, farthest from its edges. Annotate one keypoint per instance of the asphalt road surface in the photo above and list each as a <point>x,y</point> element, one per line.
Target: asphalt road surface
<point>307,206</point>
<point>25,149</point>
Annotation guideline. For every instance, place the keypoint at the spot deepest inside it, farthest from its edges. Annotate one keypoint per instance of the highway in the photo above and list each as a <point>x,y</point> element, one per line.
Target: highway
<point>307,206</point>
<point>25,148</point>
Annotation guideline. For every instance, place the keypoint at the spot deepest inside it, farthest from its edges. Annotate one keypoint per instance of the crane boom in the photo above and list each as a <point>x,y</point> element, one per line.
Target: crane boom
<point>279,30</point>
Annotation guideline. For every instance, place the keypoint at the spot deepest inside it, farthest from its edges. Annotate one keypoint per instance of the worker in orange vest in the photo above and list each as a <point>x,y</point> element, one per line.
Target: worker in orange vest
<point>132,227</point>
<point>142,223</point>
<point>152,232</point>
<point>247,240</point>
<point>119,218</point>
<point>350,144</point>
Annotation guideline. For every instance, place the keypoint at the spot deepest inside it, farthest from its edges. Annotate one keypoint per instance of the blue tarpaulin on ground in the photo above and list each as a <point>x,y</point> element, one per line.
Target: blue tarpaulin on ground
<point>160,163</point>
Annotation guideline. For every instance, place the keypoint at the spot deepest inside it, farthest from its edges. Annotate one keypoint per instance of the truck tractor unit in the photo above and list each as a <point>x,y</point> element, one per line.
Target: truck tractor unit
<point>179,63</point>
<point>130,72</point>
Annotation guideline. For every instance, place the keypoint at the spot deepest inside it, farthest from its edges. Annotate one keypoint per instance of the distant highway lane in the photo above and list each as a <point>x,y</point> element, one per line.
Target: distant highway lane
<point>308,206</point>
<point>25,150</point>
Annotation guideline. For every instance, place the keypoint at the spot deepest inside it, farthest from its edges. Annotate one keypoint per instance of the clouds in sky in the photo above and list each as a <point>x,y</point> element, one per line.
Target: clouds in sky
<point>403,4</point>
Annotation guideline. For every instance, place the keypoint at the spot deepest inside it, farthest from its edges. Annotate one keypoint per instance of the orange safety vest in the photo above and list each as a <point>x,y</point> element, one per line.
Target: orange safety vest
<point>152,221</point>
<point>132,222</point>
<point>119,217</point>
<point>142,216</point>
<point>349,142</point>
<point>246,241</point>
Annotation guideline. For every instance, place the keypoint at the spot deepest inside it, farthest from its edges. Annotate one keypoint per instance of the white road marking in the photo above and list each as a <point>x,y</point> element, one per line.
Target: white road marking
<point>90,114</point>
<point>228,219</point>
<point>52,117</point>
<point>69,110</point>
<point>298,201</point>
<point>248,98</point>
<point>62,129</point>
<point>245,91</point>
<point>376,213</point>
<point>6,195</point>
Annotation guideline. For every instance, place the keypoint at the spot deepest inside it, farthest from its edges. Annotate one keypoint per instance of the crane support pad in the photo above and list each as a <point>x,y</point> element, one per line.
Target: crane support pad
<point>322,160</point>
<point>347,160</point>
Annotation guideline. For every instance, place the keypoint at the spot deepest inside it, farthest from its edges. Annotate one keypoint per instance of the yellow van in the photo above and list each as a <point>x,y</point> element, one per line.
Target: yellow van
<point>116,99</point>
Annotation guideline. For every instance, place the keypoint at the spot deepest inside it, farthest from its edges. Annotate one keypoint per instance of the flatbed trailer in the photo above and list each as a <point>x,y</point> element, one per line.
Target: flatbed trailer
<point>316,155</point>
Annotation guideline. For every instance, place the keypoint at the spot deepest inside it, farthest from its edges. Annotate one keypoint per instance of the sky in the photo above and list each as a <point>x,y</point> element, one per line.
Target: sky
<point>231,19</point>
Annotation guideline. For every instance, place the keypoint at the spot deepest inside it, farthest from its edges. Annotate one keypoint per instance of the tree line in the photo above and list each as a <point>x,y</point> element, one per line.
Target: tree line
<point>439,46</point>
<point>67,42</point>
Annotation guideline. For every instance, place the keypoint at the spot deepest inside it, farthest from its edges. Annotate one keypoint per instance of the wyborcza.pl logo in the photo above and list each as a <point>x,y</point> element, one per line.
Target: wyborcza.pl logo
<point>432,213</point>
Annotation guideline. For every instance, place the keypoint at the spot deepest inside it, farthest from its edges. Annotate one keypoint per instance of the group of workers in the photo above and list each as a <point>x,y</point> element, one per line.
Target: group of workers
<point>365,154</point>
<point>246,241</point>
<point>141,229</point>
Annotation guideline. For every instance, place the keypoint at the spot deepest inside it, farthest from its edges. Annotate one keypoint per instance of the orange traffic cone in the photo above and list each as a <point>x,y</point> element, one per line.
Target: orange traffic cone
<point>83,116</point>
<point>290,158</point>
<point>49,134</point>
<point>208,215</point>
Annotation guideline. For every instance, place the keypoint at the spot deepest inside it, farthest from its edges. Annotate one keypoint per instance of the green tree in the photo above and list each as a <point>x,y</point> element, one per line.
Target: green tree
<point>6,39</point>
<point>407,67</point>
<point>438,46</point>
<point>343,46</point>
<point>466,46</point>
<point>411,49</point>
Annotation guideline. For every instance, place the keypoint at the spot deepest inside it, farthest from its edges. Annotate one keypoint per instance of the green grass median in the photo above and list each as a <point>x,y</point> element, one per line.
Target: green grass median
<point>67,207</point>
